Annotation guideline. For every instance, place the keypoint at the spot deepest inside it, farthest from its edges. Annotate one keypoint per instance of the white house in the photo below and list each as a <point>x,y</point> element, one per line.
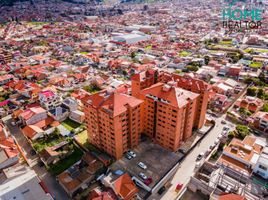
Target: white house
<point>261,167</point>
<point>49,99</point>
<point>70,103</point>
<point>77,116</point>
<point>59,113</point>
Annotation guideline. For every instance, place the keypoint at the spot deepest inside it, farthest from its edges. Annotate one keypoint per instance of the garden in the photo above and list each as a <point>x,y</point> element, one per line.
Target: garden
<point>67,162</point>
<point>48,140</point>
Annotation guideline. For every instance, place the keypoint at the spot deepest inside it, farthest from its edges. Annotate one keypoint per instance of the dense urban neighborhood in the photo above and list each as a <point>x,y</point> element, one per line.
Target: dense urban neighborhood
<point>133,100</point>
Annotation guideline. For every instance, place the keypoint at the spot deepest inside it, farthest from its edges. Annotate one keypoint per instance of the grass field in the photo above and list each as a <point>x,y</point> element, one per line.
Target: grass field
<point>70,124</point>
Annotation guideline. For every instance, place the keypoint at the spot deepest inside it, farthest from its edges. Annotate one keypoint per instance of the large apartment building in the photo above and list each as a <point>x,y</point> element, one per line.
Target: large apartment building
<point>113,121</point>
<point>148,78</point>
<point>168,114</point>
<point>194,85</point>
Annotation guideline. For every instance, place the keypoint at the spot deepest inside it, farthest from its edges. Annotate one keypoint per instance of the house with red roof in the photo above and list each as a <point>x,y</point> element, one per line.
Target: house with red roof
<point>123,186</point>
<point>49,99</point>
<point>33,115</point>
<point>9,154</point>
<point>252,104</point>
<point>261,121</point>
<point>6,78</point>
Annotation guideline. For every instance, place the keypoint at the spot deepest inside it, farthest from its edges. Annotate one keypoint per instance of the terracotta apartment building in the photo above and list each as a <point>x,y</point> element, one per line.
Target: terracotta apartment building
<point>168,114</point>
<point>113,121</point>
<point>146,79</point>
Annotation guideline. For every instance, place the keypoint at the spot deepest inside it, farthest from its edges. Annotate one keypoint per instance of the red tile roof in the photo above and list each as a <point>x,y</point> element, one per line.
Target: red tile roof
<point>231,197</point>
<point>124,187</point>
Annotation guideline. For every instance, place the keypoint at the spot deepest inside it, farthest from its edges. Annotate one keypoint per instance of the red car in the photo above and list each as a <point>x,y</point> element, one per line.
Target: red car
<point>178,187</point>
<point>148,181</point>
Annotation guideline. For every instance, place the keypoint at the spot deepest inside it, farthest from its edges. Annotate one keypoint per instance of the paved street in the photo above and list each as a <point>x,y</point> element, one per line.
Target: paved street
<point>187,167</point>
<point>54,188</point>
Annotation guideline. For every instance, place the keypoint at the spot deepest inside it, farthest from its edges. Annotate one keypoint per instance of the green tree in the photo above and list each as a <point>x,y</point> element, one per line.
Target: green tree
<point>261,93</point>
<point>242,131</point>
<point>133,54</point>
<point>265,107</point>
<point>252,91</point>
<point>192,68</point>
<point>206,59</point>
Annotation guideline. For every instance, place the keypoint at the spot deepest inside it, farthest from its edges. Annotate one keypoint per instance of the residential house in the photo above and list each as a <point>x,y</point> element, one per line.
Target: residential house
<point>253,104</point>
<point>77,116</point>
<point>70,103</point>
<point>58,113</point>
<point>49,99</point>
<point>261,121</point>
<point>6,78</point>
<point>40,128</point>
<point>22,183</point>
<point>242,155</point>
<point>98,194</point>
<point>32,115</point>
<point>123,186</point>
<point>9,154</point>
<point>79,175</point>
<point>51,155</point>
<point>261,168</point>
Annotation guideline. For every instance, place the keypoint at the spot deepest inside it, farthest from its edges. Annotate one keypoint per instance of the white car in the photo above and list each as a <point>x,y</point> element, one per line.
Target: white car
<point>132,154</point>
<point>142,165</point>
<point>143,176</point>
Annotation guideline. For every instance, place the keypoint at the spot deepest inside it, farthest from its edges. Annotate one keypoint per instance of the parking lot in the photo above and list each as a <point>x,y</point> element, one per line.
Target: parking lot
<point>157,159</point>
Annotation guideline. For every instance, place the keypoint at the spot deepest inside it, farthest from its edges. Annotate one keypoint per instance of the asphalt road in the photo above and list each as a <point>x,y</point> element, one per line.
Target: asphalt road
<point>53,186</point>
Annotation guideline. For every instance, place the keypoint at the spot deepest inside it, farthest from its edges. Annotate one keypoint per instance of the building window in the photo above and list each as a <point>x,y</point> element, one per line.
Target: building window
<point>262,167</point>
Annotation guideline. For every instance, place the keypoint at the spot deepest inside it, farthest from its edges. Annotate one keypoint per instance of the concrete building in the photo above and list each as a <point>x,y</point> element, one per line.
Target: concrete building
<point>20,182</point>
<point>131,38</point>
<point>113,121</point>
<point>261,168</point>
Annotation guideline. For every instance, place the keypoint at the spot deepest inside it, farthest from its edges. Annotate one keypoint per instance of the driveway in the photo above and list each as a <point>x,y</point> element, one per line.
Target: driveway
<point>53,186</point>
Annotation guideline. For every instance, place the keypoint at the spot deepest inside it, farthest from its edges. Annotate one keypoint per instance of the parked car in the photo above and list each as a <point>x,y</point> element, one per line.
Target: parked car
<point>33,152</point>
<point>143,176</point>
<point>178,187</point>
<point>183,151</point>
<point>226,128</point>
<point>223,122</point>
<point>128,156</point>
<point>133,154</point>
<point>41,164</point>
<point>200,156</point>
<point>142,165</point>
<point>161,190</point>
<point>148,181</point>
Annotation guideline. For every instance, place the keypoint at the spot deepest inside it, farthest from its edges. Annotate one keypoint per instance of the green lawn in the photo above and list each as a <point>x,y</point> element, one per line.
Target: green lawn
<point>248,50</point>
<point>84,53</point>
<point>226,42</point>
<point>82,137</point>
<point>70,124</point>
<point>67,162</point>
<point>184,53</point>
<point>255,65</point>
<point>92,88</point>
<point>48,141</point>
<point>37,23</point>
